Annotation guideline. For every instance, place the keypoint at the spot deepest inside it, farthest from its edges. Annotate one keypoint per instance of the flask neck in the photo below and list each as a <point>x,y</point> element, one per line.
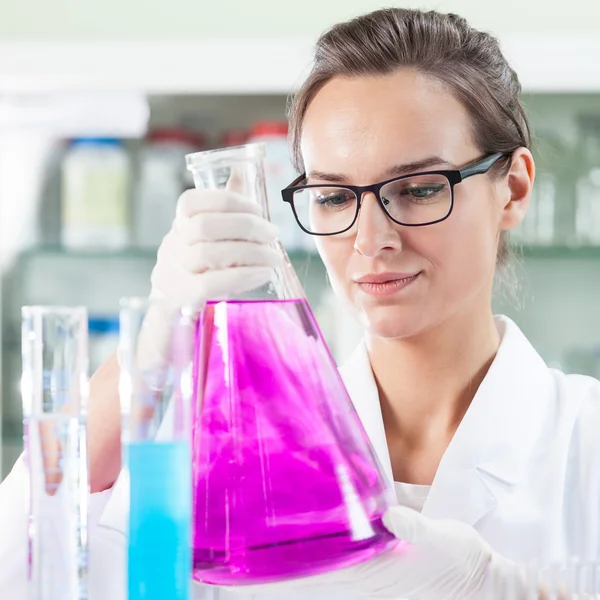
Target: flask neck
<point>246,178</point>
<point>241,171</point>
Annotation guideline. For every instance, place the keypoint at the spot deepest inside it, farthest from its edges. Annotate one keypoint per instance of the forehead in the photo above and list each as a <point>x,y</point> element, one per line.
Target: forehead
<point>364,125</point>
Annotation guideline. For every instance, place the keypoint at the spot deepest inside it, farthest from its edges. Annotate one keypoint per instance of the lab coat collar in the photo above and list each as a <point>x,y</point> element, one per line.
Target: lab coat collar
<point>492,446</point>
<point>362,389</point>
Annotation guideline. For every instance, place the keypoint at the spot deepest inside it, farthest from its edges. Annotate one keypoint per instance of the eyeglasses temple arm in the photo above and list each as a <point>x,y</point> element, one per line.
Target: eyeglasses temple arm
<point>482,166</point>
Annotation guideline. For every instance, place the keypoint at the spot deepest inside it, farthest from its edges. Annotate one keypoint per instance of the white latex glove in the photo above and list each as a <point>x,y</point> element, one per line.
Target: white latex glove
<point>437,560</point>
<point>218,245</point>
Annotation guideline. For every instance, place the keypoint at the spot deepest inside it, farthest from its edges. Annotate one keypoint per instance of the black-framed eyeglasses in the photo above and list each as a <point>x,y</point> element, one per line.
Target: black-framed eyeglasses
<point>412,200</point>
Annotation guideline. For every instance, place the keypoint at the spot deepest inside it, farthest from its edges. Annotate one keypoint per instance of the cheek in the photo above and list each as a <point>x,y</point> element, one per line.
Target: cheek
<point>336,252</point>
<point>463,247</point>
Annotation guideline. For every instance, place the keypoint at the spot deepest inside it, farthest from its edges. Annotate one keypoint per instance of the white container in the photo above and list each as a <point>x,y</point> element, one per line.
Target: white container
<point>279,173</point>
<point>587,187</point>
<point>96,176</point>
<point>544,207</point>
<point>588,208</point>
<point>163,177</point>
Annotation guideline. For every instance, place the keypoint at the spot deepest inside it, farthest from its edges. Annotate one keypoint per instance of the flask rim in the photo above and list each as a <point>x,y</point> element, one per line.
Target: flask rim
<point>210,158</point>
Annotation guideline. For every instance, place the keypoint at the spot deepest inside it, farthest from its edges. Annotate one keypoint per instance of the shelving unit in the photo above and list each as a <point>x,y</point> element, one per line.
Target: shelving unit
<point>222,83</point>
<point>553,251</point>
<point>569,253</point>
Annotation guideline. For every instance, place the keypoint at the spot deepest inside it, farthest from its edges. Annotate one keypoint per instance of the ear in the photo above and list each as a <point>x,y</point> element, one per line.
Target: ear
<point>517,187</point>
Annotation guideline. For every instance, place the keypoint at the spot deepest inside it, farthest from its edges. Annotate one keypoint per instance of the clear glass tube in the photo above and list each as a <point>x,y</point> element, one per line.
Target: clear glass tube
<point>54,391</point>
<point>156,353</point>
<point>571,578</point>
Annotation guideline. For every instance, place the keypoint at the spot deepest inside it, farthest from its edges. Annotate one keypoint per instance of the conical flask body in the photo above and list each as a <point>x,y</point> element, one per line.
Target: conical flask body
<point>286,483</point>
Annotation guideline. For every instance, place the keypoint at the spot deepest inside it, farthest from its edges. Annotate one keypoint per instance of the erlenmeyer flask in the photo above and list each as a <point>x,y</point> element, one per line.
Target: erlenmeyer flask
<point>286,483</point>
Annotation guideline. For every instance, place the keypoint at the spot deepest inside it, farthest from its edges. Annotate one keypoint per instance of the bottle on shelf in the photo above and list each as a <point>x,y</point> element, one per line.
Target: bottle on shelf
<point>95,190</point>
<point>550,213</point>
<point>279,173</point>
<point>587,189</point>
<point>162,178</point>
<point>233,137</point>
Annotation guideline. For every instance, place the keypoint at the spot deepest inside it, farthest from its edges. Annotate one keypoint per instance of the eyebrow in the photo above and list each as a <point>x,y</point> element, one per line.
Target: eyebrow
<point>396,170</point>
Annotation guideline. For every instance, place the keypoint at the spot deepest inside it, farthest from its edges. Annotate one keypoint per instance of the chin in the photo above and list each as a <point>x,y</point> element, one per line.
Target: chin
<point>393,322</point>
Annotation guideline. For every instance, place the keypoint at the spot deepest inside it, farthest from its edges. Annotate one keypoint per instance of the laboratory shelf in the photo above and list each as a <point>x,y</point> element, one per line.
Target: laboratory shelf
<point>556,252</point>
<point>139,254</point>
<point>64,253</point>
<point>61,253</point>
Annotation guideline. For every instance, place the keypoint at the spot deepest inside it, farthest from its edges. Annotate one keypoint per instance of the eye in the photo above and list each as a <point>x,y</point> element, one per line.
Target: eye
<point>424,191</point>
<point>335,199</point>
<point>418,193</point>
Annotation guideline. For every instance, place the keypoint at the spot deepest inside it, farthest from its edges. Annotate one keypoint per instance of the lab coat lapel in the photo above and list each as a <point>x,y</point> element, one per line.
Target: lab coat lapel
<point>492,446</point>
<point>494,442</point>
<point>358,378</point>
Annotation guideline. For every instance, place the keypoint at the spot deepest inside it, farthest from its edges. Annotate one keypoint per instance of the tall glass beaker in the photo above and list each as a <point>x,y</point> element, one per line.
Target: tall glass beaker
<point>54,390</point>
<point>286,483</point>
<point>587,190</point>
<point>156,354</point>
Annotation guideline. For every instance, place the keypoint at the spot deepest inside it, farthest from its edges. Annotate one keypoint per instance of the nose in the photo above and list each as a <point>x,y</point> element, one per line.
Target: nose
<point>376,233</point>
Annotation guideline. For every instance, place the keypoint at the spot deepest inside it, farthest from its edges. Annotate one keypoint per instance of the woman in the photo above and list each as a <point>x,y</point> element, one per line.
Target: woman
<point>495,456</point>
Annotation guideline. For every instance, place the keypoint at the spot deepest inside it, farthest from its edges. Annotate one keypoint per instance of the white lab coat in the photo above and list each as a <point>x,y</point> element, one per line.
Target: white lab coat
<point>523,468</point>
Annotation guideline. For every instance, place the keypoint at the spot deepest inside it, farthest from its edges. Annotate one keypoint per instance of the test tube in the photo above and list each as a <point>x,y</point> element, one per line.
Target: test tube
<point>54,390</point>
<point>156,357</point>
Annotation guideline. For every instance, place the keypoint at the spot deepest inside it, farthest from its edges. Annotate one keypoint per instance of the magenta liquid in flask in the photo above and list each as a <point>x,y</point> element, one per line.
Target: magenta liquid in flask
<point>285,481</point>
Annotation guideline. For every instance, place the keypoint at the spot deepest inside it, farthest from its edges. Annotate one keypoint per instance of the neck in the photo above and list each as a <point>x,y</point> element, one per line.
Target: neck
<point>434,378</point>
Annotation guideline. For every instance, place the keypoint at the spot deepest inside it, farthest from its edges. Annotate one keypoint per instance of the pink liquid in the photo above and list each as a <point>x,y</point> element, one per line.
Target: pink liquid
<point>285,481</point>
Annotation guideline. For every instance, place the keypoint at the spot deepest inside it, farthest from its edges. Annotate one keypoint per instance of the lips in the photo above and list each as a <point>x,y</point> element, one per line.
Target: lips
<point>385,277</point>
<point>385,284</point>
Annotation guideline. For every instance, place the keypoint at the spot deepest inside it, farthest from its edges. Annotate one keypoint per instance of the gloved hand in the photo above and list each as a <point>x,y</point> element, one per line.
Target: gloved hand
<point>218,245</point>
<point>436,560</point>
<point>442,560</point>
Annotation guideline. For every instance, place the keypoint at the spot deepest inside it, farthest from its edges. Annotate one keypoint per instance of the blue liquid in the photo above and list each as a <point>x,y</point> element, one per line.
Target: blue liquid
<point>159,551</point>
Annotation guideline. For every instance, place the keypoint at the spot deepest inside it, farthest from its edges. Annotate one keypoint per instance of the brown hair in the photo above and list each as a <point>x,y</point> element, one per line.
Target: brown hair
<point>469,62</point>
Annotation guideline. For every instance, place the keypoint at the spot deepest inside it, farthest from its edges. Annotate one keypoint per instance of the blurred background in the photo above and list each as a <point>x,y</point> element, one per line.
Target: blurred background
<point>99,103</point>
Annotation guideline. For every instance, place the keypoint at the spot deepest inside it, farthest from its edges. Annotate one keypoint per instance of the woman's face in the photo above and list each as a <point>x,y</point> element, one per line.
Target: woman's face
<point>364,130</point>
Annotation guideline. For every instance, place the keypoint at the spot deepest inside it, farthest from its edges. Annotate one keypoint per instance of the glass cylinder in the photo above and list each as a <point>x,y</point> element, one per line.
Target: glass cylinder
<point>572,577</point>
<point>155,354</point>
<point>54,390</point>
<point>588,181</point>
<point>286,483</point>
